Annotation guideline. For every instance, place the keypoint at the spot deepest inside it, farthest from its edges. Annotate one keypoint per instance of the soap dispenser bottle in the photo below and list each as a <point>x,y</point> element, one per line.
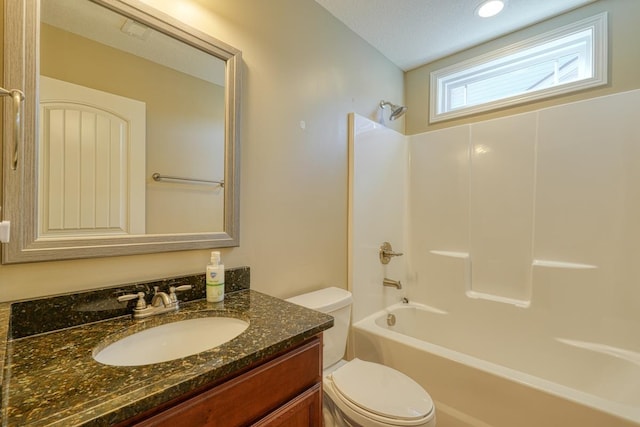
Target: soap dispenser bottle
<point>215,278</point>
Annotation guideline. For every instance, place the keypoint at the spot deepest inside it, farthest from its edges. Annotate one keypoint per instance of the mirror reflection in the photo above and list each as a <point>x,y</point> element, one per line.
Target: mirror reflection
<point>129,132</point>
<point>120,102</point>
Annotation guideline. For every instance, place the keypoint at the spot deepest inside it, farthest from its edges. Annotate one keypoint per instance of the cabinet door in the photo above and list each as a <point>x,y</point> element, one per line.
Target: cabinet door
<point>250,396</point>
<point>303,411</point>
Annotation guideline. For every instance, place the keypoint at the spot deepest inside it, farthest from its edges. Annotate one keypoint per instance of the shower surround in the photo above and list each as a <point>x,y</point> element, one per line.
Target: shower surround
<point>523,229</point>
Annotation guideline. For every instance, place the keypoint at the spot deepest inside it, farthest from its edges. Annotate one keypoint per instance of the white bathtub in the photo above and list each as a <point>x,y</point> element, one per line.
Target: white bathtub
<point>503,378</point>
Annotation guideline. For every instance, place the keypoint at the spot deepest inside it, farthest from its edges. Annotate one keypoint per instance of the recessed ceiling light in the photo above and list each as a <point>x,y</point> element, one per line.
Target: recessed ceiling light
<point>490,8</point>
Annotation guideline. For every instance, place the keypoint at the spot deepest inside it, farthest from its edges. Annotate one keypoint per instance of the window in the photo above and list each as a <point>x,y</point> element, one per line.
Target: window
<point>565,60</point>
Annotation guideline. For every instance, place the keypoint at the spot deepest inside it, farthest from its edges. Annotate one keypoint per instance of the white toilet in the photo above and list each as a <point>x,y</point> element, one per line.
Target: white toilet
<point>359,393</point>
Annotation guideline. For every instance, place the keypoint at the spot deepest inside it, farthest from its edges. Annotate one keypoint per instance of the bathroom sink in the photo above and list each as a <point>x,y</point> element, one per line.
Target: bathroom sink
<point>170,341</point>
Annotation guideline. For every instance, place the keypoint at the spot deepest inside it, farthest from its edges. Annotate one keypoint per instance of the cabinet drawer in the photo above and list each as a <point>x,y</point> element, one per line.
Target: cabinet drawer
<point>250,396</point>
<point>303,411</point>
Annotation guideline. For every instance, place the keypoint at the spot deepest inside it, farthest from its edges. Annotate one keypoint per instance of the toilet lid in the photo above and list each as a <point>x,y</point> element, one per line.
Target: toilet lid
<point>382,390</point>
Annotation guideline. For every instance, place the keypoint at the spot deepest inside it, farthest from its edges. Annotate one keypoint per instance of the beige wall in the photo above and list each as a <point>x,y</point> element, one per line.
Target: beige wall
<point>624,55</point>
<point>301,64</point>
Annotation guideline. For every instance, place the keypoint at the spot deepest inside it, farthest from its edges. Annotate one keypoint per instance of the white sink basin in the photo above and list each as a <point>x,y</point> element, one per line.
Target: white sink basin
<point>171,341</point>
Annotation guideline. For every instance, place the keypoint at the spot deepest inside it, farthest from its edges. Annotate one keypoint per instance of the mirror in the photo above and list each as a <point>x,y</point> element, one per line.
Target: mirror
<point>129,132</point>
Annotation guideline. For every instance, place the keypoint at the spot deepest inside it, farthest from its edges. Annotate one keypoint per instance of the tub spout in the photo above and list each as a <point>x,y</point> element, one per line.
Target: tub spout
<point>392,283</point>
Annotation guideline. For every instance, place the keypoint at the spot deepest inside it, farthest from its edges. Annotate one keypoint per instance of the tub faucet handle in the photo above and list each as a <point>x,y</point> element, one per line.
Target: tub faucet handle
<point>386,252</point>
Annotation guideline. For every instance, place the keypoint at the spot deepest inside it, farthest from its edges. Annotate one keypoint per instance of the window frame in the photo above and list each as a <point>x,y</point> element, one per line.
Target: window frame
<point>496,59</point>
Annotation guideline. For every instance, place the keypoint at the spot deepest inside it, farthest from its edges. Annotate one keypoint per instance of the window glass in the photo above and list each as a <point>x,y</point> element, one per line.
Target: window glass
<point>564,60</point>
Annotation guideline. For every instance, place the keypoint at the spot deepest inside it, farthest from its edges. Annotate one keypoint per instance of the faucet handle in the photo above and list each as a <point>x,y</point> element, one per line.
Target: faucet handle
<point>141,304</point>
<point>386,252</point>
<point>174,289</point>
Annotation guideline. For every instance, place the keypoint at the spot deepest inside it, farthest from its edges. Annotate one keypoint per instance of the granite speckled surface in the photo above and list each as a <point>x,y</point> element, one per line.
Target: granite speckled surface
<point>5,313</point>
<point>63,311</point>
<point>52,378</point>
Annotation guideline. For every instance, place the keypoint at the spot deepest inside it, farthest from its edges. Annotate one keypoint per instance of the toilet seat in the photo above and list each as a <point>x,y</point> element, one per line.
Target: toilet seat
<point>381,393</point>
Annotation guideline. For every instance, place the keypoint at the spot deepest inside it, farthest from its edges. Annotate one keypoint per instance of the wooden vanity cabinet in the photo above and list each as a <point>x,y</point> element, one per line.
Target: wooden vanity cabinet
<point>284,391</point>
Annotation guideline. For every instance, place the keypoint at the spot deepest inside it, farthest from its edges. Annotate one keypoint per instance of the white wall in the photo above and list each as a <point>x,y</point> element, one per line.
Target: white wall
<point>537,211</point>
<point>528,221</point>
<point>472,190</point>
<point>523,229</point>
<point>378,172</point>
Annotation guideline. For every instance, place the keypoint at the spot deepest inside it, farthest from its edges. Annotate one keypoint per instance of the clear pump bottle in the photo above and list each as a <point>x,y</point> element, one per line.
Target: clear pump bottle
<point>215,278</point>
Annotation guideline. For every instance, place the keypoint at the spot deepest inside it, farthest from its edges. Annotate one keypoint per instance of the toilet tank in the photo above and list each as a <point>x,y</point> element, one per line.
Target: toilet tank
<point>337,303</point>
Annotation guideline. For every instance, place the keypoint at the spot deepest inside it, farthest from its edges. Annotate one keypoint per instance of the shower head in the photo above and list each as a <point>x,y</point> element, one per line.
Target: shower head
<point>396,110</point>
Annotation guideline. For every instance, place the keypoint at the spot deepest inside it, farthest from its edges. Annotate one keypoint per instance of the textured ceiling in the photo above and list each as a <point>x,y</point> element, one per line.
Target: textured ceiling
<point>415,32</point>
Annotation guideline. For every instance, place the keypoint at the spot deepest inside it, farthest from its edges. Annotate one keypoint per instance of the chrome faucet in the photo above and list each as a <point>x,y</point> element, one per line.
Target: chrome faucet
<point>392,283</point>
<point>161,298</point>
<point>161,302</point>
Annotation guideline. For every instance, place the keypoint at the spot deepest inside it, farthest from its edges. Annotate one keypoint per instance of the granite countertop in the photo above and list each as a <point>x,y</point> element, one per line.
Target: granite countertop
<point>52,379</point>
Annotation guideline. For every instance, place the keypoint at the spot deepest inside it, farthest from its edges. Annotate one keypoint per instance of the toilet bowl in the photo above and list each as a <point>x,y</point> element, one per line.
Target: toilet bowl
<point>370,394</point>
<point>357,392</point>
